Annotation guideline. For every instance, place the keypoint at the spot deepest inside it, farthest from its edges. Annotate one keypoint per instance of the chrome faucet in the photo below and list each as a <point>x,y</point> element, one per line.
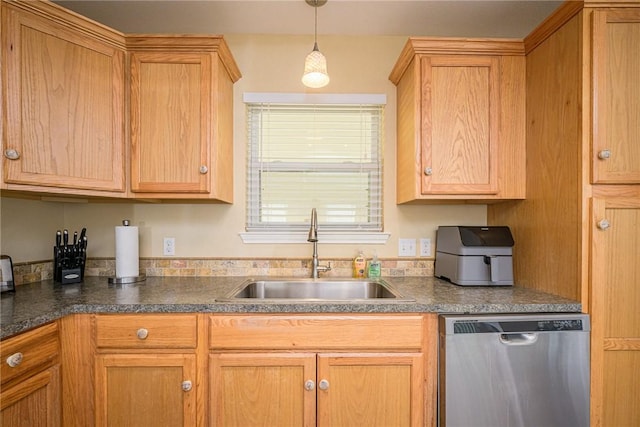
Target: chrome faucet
<point>313,238</point>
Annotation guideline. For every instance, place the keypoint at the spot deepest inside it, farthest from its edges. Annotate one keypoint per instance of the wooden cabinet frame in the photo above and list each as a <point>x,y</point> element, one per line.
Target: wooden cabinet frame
<point>460,120</point>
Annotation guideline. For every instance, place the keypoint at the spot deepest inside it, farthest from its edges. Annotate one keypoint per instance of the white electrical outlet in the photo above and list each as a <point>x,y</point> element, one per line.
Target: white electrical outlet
<point>406,247</point>
<point>425,246</point>
<point>169,247</point>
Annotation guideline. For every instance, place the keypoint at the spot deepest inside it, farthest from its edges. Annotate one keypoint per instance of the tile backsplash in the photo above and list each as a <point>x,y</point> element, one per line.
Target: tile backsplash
<point>29,272</point>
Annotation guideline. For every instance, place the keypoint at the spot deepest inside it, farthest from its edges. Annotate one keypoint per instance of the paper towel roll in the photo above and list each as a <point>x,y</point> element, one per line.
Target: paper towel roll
<point>127,261</point>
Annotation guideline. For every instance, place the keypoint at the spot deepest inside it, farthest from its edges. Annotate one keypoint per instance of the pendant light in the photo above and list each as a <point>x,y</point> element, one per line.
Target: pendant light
<point>315,65</point>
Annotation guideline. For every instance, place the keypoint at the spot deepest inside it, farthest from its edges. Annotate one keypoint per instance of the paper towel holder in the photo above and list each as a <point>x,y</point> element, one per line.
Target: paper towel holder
<point>126,280</point>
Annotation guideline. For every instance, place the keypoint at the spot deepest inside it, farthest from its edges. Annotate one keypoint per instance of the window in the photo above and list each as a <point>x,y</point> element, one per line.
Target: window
<point>322,151</point>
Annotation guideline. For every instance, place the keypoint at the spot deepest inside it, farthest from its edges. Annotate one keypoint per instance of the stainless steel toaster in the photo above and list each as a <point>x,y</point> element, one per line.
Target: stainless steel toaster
<point>6,274</point>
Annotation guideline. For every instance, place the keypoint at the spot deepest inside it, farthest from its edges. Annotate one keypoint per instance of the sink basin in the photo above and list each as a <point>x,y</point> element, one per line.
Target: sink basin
<point>315,290</point>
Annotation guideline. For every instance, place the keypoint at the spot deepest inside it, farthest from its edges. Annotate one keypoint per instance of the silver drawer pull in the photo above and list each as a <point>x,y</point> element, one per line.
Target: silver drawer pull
<point>604,154</point>
<point>309,385</point>
<point>142,333</point>
<point>323,385</point>
<point>14,360</point>
<point>186,385</point>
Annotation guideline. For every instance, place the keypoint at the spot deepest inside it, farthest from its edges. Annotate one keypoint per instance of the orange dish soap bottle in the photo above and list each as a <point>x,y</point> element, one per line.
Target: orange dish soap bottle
<point>359,265</point>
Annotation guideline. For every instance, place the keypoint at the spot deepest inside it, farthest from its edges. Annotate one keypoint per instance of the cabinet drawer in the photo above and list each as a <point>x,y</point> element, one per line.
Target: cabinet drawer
<point>30,352</point>
<point>316,332</point>
<point>146,331</point>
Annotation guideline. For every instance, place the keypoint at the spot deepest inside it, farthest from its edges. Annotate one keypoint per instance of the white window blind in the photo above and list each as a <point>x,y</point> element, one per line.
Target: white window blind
<point>322,155</point>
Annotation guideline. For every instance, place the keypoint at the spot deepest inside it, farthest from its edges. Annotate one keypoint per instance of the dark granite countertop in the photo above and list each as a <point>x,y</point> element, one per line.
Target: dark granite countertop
<point>38,303</point>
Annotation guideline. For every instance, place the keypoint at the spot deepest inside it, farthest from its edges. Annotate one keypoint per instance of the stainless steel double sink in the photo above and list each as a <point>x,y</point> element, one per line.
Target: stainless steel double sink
<point>318,290</point>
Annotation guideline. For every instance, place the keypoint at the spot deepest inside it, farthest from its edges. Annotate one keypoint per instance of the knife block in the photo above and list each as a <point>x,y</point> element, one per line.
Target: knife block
<point>65,273</point>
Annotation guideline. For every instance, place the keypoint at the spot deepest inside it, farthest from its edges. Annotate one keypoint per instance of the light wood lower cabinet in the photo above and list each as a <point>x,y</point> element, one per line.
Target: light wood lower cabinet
<point>615,312</point>
<point>377,389</point>
<point>30,393</point>
<point>145,390</point>
<point>329,370</point>
<point>224,370</point>
<point>250,389</point>
<point>146,370</point>
<point>324,389</point>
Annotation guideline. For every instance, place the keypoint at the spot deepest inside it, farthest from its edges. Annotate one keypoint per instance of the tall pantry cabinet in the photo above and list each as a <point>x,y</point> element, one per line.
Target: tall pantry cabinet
<point>578,232</point>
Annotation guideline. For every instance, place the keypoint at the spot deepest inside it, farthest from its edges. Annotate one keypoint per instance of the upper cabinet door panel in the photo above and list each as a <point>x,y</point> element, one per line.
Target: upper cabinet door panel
<point>460,124</point>
<point>64,106</point>
<point>616,91</point>
<point>170,114</point>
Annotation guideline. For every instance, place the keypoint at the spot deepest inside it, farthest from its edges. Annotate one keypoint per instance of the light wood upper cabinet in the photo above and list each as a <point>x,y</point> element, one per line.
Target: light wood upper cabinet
<point>616,91</point>
<point>460,120</point>
<point>460,111</point>
<point>181,117</point>
<point>63,103</point>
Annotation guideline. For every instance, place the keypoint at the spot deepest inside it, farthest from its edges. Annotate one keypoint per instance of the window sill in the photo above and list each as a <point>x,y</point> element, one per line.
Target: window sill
<point>367,237</point>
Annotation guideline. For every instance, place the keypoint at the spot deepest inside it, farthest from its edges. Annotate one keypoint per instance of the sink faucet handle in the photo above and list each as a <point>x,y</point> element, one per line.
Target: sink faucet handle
<point>325,268</point>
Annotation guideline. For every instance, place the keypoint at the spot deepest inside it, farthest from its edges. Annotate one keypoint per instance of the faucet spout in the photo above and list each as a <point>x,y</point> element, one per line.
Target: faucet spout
<point>313,229</point>
<point>313,238</point>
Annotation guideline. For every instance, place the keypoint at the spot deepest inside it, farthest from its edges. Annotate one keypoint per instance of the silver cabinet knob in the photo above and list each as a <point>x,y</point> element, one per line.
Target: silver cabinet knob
<point>603,224</point>
<point>11,154</point>
<point>204,169</point>
<point>187,385</point>
<point>309,385</point>
<point>14,360</point>
<point>323,385</point>
<point>428,171</point>
<point>142,333</point>
<point>604,154</point>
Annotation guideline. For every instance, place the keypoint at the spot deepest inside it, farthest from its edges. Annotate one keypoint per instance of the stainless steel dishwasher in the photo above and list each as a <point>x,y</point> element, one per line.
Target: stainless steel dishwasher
<point>514,370</point>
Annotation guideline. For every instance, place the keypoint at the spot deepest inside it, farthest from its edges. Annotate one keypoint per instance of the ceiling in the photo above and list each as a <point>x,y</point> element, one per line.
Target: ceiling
<point>475,18</point>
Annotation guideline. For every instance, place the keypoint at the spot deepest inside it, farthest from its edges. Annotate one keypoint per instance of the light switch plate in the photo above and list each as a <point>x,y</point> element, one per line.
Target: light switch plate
<point>406,247</point>
<point>425,246</point>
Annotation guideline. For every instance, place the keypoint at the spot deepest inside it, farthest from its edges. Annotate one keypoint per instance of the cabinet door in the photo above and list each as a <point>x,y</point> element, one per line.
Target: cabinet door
<point>370,390</point>
<point>460,124</point>
<point>33,402</point>
<point>263,389</point>
<point>170,119</point>
<point>145,390</point>
<point>616,90</point>
<point>64,106</point>
<point>615,312</point>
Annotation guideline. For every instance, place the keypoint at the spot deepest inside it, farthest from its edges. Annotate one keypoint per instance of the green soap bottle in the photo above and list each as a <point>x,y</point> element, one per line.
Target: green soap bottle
<point>374,267</point>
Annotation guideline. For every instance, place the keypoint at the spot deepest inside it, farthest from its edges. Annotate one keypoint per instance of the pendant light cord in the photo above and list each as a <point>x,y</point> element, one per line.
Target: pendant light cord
<point>315,32</point>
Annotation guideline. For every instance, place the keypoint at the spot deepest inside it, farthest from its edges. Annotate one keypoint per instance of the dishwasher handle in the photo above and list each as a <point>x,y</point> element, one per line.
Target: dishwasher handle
<point>526,338</point>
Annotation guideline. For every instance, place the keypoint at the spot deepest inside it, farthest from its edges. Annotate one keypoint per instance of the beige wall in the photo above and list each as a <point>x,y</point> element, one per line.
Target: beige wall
<point>268,64</point>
